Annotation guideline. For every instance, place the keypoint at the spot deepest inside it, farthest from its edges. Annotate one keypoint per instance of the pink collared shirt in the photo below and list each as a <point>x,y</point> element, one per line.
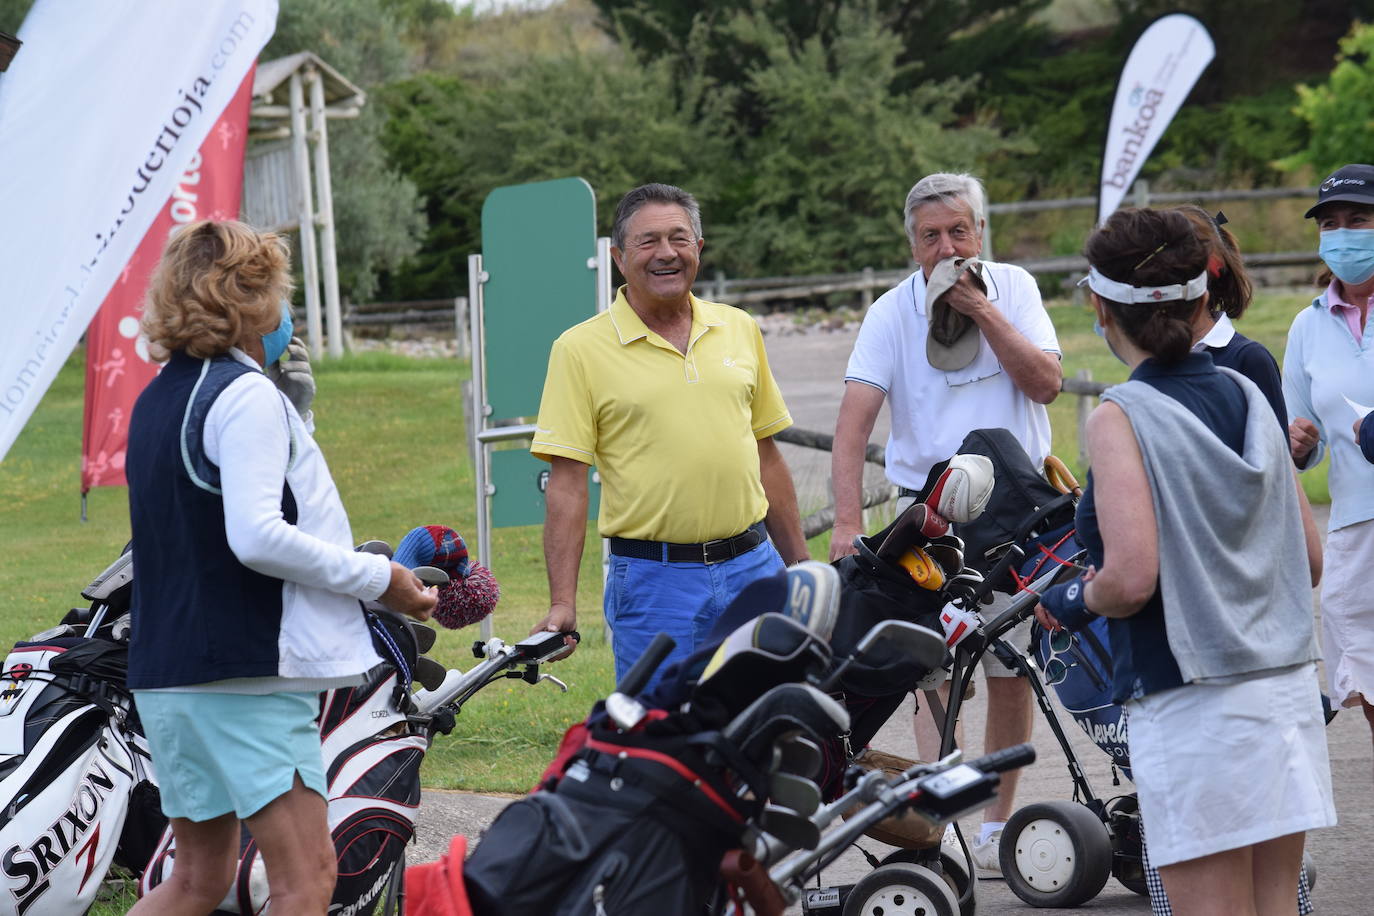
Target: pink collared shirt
<point>1341,307</point>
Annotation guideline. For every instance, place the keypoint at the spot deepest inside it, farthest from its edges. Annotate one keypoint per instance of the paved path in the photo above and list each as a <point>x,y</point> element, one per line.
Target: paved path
<point>809,368</point>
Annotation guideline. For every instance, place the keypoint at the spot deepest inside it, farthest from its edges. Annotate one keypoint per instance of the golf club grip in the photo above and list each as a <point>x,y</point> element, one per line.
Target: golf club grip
<point>638,676</point>
<point>1008,758</point>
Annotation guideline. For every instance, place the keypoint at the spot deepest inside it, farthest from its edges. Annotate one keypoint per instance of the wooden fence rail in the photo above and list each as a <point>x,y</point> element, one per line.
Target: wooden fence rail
<point>868,281</point>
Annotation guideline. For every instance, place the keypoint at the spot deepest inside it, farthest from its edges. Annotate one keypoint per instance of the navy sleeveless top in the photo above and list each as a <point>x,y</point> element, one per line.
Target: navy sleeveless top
<point>198,614</point>
<point>1143,662</point>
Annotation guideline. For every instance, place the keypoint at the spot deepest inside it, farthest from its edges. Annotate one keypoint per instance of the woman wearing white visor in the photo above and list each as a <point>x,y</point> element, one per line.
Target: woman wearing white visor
<point>1203,559</point>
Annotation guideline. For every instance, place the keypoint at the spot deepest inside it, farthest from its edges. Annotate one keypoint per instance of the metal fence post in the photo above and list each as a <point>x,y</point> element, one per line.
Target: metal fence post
<point>462,328</point>
<point>1141,192</point>
<point>1085,408</point>
<point>718,291</point>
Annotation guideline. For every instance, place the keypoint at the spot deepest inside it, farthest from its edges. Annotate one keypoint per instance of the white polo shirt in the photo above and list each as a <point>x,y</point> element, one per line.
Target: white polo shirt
<point>932,411</point>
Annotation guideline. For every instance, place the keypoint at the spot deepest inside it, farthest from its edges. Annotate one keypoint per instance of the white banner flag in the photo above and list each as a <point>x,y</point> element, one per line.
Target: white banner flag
<point>100,113</point>
<point>1166,61</point>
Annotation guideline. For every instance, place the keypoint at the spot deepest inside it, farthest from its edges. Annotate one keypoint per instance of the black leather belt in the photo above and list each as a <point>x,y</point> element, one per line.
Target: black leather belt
<point>710,552</point>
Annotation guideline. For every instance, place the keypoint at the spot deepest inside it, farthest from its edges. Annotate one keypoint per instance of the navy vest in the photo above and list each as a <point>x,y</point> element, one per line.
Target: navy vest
<point>198,614</point>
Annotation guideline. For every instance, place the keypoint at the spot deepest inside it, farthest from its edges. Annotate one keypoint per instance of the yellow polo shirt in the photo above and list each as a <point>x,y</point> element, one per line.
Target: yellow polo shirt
<point>673,434</point>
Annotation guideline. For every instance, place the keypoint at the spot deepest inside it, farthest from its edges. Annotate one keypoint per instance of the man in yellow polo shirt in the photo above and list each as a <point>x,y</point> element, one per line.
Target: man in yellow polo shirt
<point>672,399</point>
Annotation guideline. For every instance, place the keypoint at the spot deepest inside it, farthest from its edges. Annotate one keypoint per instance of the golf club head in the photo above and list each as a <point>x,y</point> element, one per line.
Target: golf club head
<point>378,547</point>
<point>424,636</point>
<point>949,557</point>
<point>813,596</point>
<point>431,575</point>
<point>801,795</point>
<point>922,645</point>
<point>791,828</point>
<point>429,673</point>
<point>797,755</point>
<point>625,711</point>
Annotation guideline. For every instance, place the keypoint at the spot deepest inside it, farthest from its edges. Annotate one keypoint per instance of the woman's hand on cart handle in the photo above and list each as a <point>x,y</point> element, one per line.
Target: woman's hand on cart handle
<point>406,594</point>
<point>1048,620</point>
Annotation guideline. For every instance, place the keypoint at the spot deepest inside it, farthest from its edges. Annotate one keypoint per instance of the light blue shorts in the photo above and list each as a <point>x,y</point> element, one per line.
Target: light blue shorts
<point>220,752</point>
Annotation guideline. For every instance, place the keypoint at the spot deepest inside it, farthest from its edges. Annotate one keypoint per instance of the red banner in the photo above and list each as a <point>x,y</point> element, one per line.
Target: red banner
<point>117,363</point>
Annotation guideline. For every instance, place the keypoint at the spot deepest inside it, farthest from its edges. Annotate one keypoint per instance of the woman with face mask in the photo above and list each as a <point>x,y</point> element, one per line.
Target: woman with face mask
<point>245,602</point>
<point>1203,560</point>
<point>1328,383</point>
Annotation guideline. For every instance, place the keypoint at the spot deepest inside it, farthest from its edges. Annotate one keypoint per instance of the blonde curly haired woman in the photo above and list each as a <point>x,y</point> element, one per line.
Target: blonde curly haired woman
<point>245,605</point>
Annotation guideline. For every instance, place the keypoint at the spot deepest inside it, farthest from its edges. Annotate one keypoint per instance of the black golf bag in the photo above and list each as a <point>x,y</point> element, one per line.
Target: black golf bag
<point>646,796</point>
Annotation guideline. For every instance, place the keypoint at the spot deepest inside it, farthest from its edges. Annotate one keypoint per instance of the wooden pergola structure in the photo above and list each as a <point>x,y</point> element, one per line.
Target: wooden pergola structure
<point>294,98</point>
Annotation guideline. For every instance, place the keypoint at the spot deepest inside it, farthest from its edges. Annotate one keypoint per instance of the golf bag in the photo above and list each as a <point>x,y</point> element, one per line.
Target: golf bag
<point>372,767</point>
<point>75,780</point>
<point>645,798</point>
<point>1024,505</point>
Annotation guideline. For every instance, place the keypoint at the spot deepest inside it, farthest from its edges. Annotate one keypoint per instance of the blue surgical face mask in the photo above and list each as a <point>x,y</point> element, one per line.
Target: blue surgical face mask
<point>1100,331</point>
<point>274,343</point>
<point>1349,253</point>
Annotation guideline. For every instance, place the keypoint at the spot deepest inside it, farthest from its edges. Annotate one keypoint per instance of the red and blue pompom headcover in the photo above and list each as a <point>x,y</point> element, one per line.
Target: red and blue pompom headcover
<point>435,545</point>
<point>472,592</point>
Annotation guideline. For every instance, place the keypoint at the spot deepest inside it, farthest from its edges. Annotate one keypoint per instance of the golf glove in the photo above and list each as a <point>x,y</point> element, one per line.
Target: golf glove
<point>293,376</point>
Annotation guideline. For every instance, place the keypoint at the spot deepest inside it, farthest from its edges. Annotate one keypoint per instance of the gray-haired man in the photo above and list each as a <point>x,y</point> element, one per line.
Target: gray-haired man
<point>1002,376</point>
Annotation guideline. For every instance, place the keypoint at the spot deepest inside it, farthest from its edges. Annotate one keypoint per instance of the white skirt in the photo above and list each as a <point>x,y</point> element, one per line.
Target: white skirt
<point>1348,613</point>
<point>1219,767</point>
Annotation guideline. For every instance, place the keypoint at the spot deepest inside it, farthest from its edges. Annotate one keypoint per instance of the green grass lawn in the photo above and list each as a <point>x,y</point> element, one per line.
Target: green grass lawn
<point>392,429</point>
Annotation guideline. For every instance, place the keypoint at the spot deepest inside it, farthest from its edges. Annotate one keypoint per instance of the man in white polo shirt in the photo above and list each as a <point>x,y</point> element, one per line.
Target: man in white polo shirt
<point>998,366</point>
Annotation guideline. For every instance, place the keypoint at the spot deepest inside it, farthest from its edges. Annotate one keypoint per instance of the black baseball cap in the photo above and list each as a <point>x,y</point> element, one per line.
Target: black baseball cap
<point>1354,183</point>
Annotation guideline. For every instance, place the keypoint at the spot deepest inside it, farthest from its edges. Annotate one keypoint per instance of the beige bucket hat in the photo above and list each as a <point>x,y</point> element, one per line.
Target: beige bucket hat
<point>952,338</point>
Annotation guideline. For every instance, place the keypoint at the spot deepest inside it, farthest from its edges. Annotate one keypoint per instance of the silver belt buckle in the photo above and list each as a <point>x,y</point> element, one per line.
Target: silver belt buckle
<point>706,551</point>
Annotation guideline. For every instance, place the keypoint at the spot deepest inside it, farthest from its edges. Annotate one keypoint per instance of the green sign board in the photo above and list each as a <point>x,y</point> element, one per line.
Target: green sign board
<point>539,253</point>
<point>520,480</point>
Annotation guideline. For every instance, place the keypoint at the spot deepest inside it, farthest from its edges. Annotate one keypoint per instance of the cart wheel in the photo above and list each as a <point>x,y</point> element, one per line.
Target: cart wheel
<point>395,888</point>
<point>953,869</point>
<point>900,889</point>
<point>1135,885</point>
<point>1056,854</point>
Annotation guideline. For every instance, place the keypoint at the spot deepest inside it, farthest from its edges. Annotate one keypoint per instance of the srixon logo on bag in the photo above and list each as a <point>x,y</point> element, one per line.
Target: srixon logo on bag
<point>27,867</point>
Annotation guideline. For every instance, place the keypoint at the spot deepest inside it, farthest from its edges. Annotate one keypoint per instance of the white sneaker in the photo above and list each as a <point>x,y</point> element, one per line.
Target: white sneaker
<point>987,856</point>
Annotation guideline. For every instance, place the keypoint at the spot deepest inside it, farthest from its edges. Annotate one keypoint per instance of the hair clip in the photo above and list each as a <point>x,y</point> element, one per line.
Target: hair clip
<point>1146,259</point>
<point>1220,219</point>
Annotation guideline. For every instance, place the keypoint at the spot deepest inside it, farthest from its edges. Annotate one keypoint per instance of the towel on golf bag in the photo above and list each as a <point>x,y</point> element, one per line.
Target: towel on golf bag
<point>70,763</point>
<point>436,888</point>
<point>1023,504</point>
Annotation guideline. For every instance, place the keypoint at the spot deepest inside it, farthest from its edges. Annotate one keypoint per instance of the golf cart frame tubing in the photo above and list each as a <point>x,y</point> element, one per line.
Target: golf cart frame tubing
<point>484,435</point>
<point>966,663</point>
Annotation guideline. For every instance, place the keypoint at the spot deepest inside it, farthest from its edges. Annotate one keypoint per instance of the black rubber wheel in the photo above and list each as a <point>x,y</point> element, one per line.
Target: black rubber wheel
<point>1135,885</point>
<point>953,869</point>
<point>1056,854</point>
<point>900,889</point>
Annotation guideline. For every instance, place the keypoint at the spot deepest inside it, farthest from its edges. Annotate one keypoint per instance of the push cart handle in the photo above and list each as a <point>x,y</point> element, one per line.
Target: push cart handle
<point>1008,758</point>
<point>638,676</point>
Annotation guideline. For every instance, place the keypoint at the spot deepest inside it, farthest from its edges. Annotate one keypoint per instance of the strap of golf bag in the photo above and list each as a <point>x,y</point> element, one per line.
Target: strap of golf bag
<point>1011,557</point>
<point>401,694</point>
<point>670,788</point>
